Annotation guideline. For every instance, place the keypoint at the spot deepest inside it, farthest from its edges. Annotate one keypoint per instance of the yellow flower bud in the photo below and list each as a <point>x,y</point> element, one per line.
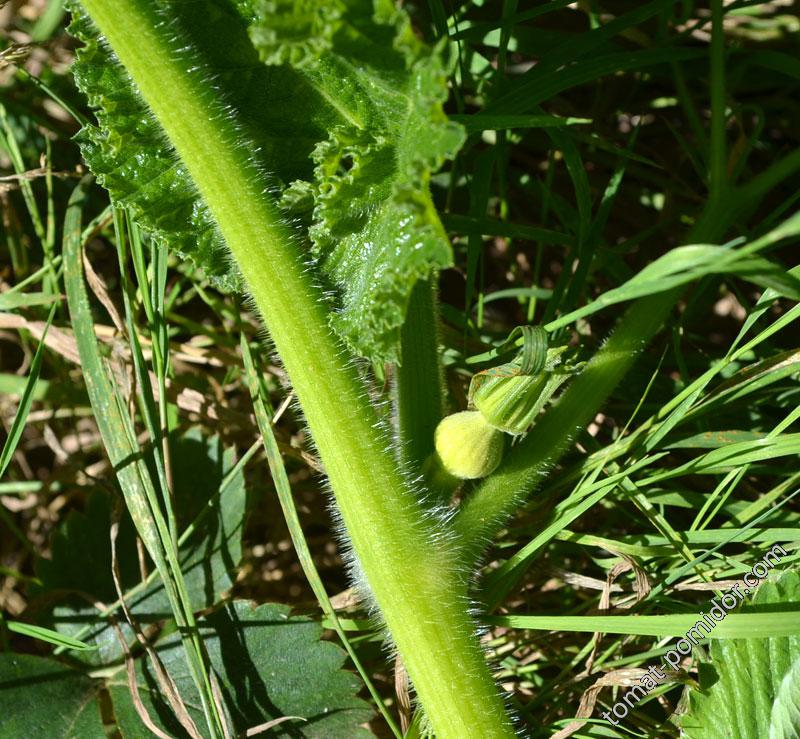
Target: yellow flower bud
<point>468,447</point>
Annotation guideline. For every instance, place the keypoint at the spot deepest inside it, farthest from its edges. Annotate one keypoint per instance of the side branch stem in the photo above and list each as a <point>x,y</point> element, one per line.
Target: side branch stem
<point>488,508</point>
<point>418,382</point>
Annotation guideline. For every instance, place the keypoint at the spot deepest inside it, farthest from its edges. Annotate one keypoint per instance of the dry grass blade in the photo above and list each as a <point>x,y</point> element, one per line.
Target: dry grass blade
<point>641,589</point>
<point>100,289</point>
<point>261,728</point>
<point>626,678</point>
<point>402,689</point>
<point>133,684</point>
<point>220,703</point>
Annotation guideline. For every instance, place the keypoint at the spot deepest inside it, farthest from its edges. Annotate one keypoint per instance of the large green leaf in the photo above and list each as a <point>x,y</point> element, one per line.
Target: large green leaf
<point>375,228</point>
<point>81,561</point>
<point>751,687</point>
<point>43,698</point>
<point>269,665</point>
<point>283,119</point>
<point>344,110</point>
<point>83,538</point>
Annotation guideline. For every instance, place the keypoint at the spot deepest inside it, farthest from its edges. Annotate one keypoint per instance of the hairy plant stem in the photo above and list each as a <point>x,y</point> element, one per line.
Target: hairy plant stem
<point>411,574</point>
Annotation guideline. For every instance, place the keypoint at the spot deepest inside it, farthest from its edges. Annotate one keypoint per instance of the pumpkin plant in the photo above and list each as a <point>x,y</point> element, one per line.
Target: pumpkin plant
<point>288,150</point>
<point>363,99</point>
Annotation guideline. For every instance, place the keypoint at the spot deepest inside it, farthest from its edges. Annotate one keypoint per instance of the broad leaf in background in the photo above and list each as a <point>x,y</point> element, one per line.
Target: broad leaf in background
<point>78,575</point>
<point>269,665</point>
<point>751,687</point>
<point>81,560</point>
<point>40,697</point>
<point>345,112</point>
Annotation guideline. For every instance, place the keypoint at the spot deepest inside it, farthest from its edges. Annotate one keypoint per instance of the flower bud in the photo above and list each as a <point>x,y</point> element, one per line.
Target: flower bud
<point>511,403</point>
<point>510,400</point>
<point>468,447</point>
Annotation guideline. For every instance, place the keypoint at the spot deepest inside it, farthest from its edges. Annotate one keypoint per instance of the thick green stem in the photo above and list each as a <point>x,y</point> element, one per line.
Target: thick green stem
<point>418,384</point>
<point>410,573</point>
